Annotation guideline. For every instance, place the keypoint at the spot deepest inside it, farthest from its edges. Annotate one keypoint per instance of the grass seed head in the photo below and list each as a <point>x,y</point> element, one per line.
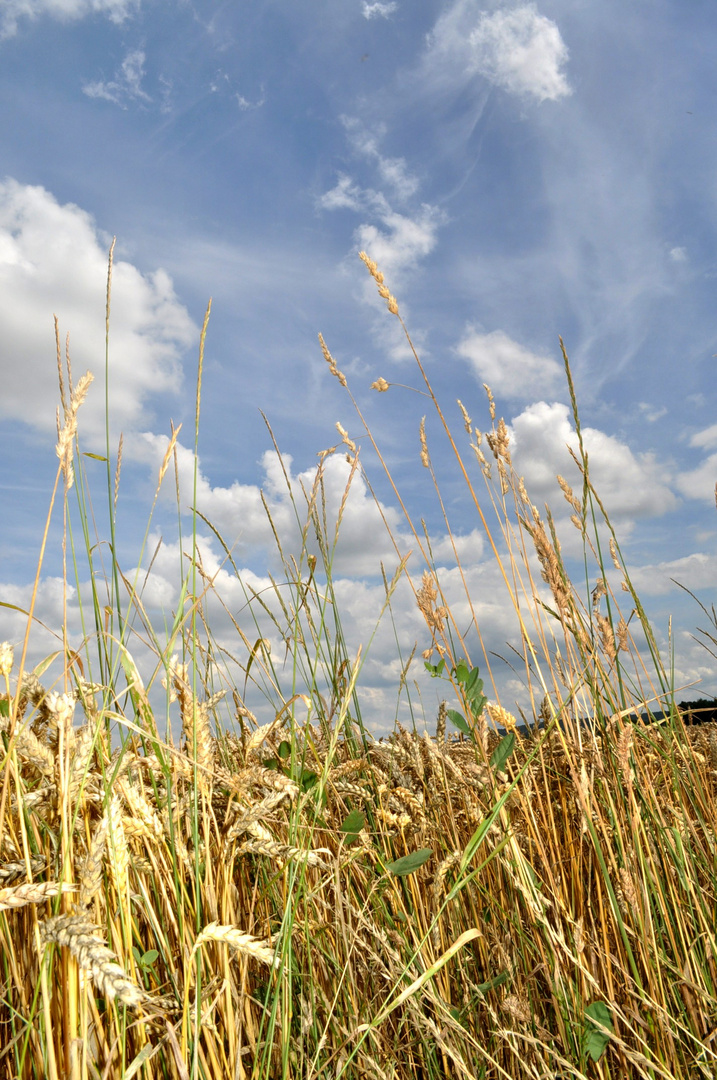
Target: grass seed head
<point>331,362</point>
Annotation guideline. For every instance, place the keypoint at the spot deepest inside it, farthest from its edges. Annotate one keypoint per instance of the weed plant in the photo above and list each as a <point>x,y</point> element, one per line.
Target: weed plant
<point>295,898</point>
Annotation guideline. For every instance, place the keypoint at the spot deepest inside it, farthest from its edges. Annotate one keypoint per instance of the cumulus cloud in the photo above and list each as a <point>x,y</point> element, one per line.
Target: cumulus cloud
<point>510,370</point>
<point>522,52</point>
<point>519,50</point>
<point>127,84</point>
<point>706,438</point>
<point>700,483</point>
<point>239,512</point>
<point>695,571</point>
<point>359,603</point>
<point>630,485</point>
<point>13,11</point>
<point>53,261</point>
<point>396,239</point>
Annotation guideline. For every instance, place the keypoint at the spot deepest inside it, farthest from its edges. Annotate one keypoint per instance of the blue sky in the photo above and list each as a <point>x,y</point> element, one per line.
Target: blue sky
<point>517,170</point>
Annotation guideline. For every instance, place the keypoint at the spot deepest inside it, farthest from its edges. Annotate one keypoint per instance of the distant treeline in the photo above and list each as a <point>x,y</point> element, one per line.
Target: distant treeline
<point>703,711</point>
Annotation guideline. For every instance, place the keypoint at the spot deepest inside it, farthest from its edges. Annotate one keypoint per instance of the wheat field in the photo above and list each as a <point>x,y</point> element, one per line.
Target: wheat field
<point>500,897</point>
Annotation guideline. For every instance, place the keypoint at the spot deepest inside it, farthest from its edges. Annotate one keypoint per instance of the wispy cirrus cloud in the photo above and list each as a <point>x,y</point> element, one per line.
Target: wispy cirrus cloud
<point>392,171</point>
<point>126,85</point>
<point>396,238</point>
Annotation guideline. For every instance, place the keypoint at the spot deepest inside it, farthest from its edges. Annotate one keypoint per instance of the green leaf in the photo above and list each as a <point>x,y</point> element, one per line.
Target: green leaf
<point>492,983</point>
<point>284,750</point>
<point>149,957</point>
<point>307,780</point>
<point>502,752</point>
<point>4,707</point>
<point>461,672</point>
<point>435,670</point>
<point>596,1040</point>
<point>410,863</point>
<point>459,721</point>
<point>474,693</point>
<point>353,823</point>
<point>473,683</point>
<point>95,457</point>
<point>472,846</point>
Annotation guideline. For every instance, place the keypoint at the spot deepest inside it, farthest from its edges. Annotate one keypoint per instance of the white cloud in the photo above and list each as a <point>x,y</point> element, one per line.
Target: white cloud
<point>518,50</point>
<point>378,10</point>
<point>392,171</point>
<point>345,196</point>
<point>52,261</point>
<point>700,483</point>
<point>403,240</point>
<point>395,240</point>
<point>695,571</point>
<point>651,413</point>
<point>630,485</point>
<point>246,106</point>
<point>705,438</point>
<point>127,84</point>
<point>13,11</point>
<point>678,254</point>
<point>509,369</point>
<point>358,606</point>
<point>239,514</point>
<point>522,52</point>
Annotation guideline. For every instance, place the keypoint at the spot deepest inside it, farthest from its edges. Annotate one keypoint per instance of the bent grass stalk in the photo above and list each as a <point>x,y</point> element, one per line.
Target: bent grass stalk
<point>282,895</point>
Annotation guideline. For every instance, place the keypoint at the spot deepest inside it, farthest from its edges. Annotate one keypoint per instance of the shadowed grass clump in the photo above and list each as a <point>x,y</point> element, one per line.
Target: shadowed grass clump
<point>294,898</point>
